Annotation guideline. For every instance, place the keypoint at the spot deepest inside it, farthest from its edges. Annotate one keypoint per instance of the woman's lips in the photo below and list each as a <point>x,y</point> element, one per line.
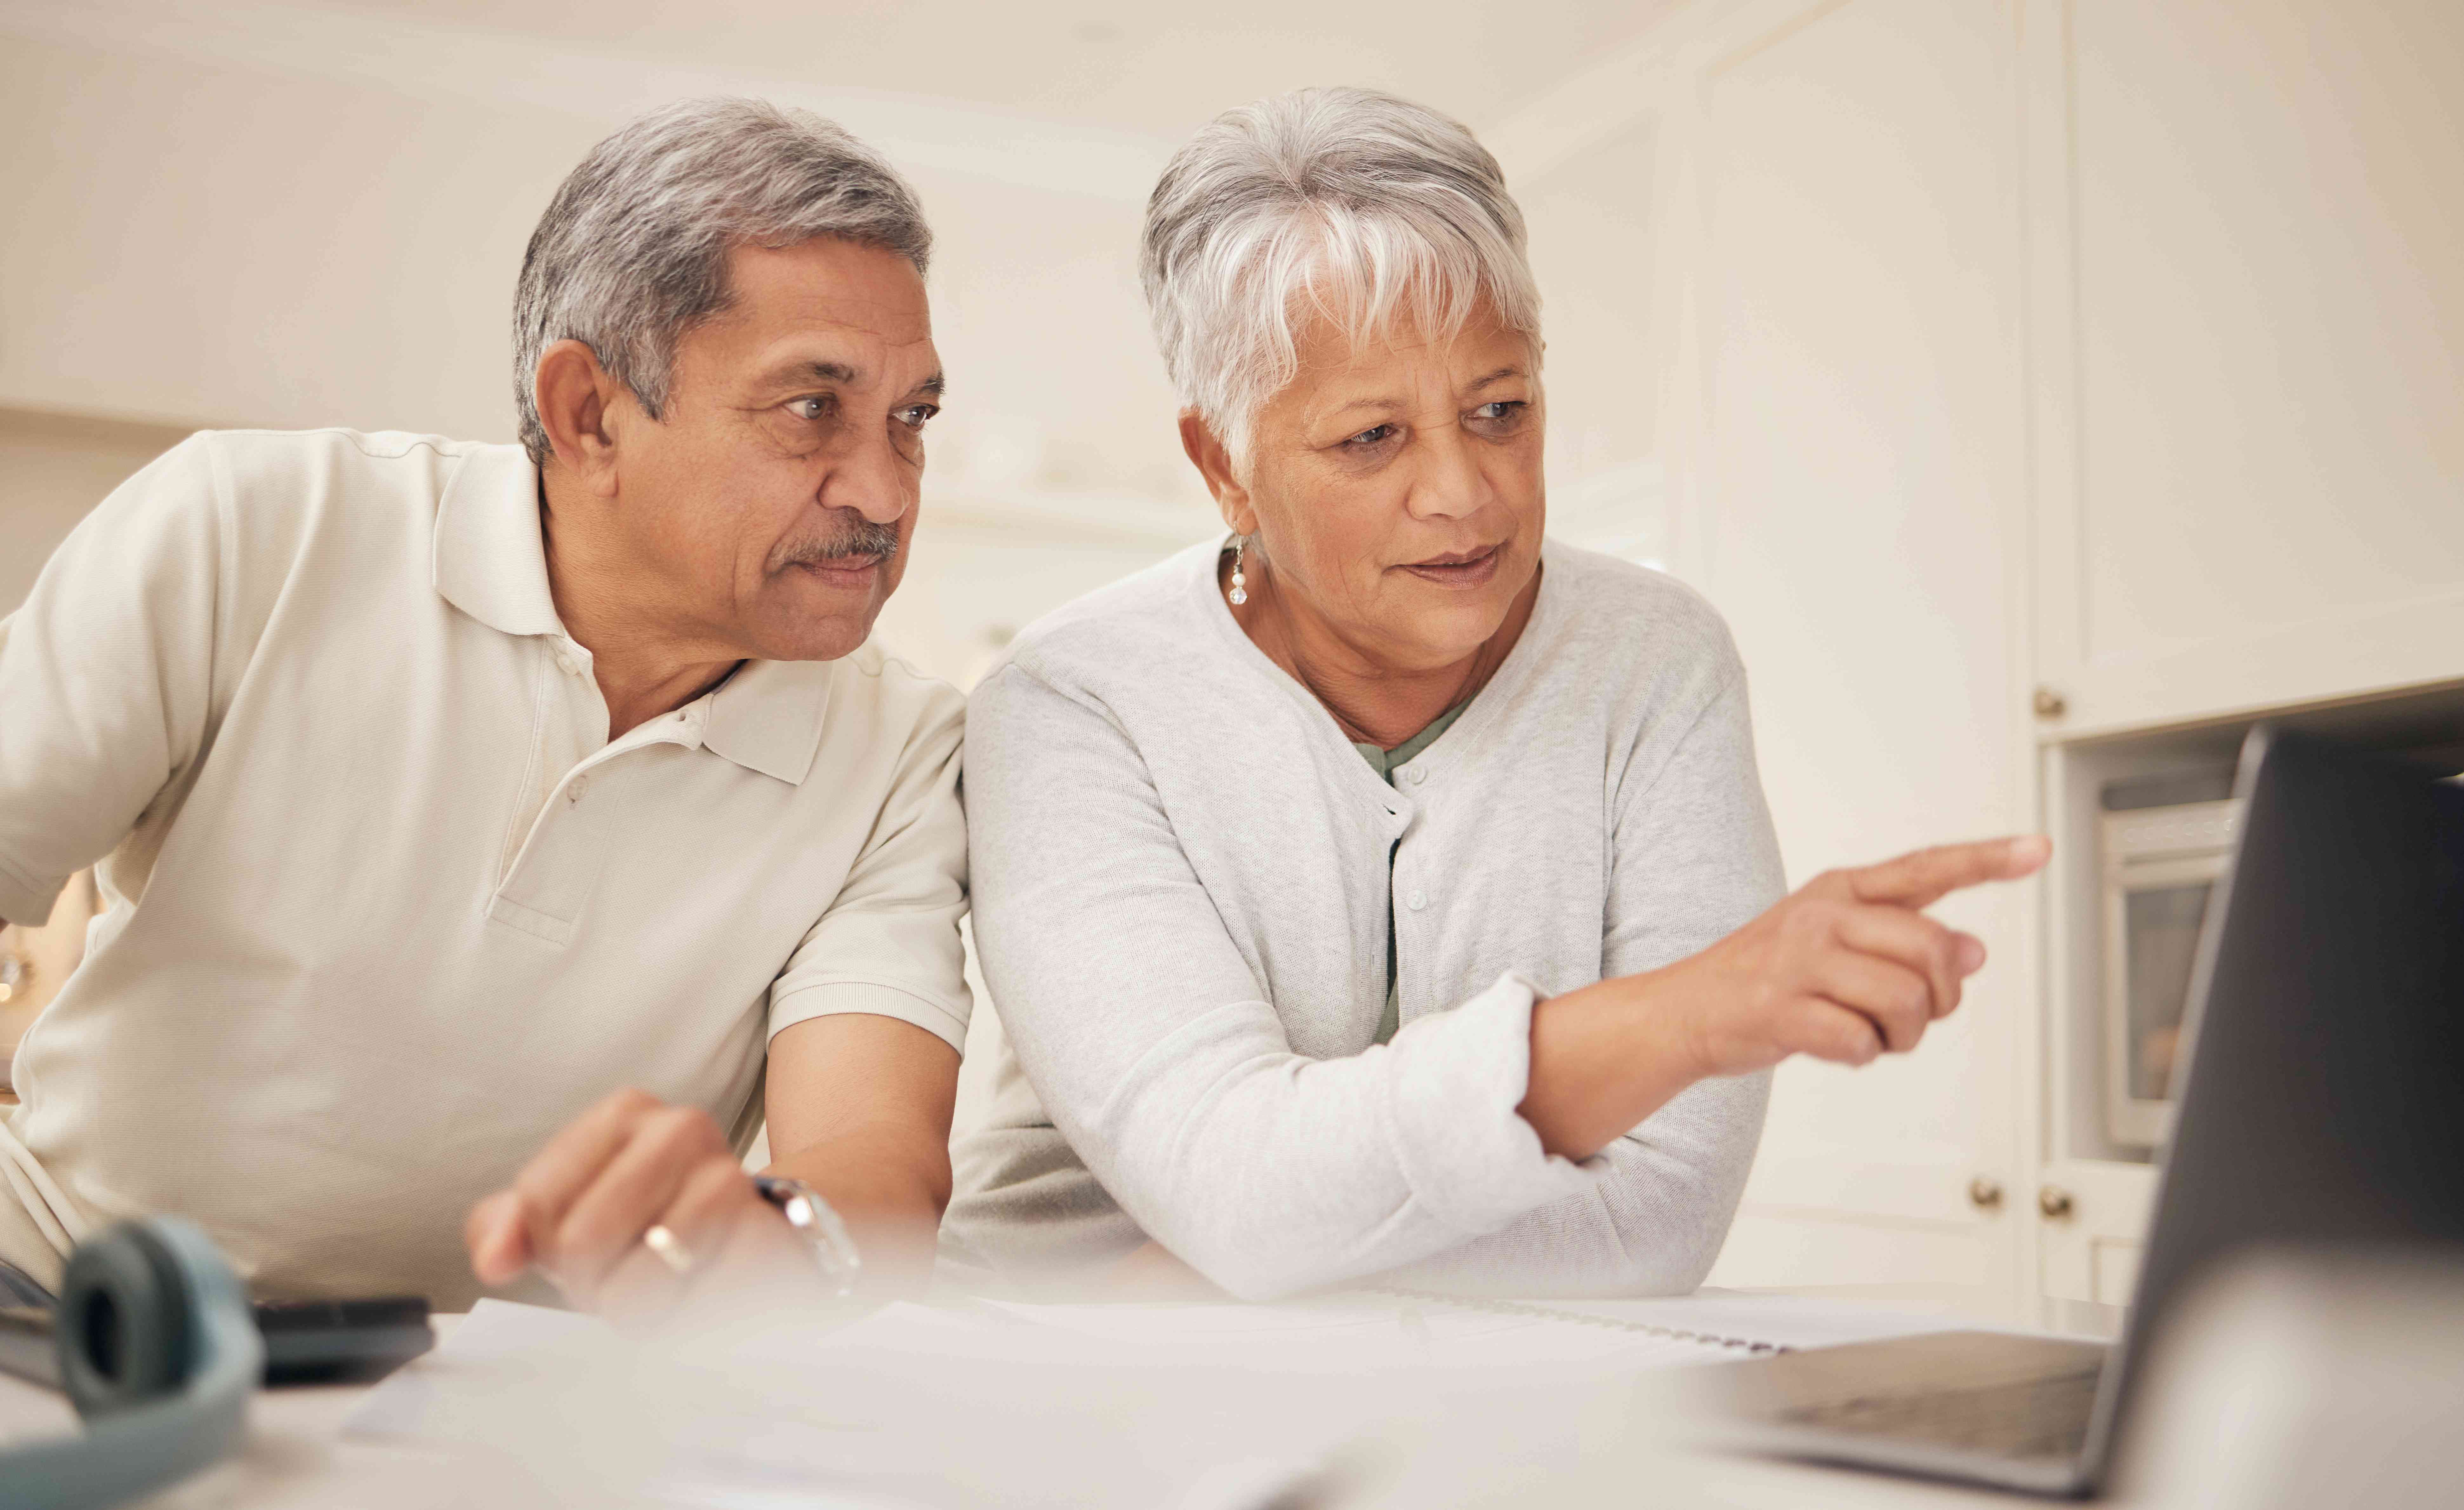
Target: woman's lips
<point>1477,571</point>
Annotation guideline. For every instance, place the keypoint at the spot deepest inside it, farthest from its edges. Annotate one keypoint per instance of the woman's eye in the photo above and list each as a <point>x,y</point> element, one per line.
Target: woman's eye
<point>1372,436</point>
<point>1503,410</point>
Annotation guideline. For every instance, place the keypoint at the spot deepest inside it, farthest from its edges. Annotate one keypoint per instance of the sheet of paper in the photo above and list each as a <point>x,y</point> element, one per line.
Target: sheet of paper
<point>416,1399</point>
<point>1186,1406</point>
<point>908,1406</point>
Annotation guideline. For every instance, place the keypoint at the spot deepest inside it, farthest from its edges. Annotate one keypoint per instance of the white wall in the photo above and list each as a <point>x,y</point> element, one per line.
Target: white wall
<point>52,469</point>
<point>211,242</point>
<point>252,214</point>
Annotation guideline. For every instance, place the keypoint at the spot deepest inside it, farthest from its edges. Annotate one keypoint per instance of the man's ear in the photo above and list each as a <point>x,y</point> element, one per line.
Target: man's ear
<point>577,398</point>
<point>1208,454</point>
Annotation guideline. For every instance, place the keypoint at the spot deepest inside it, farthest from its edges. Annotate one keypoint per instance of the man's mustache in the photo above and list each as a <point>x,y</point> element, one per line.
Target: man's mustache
<point>855,536</point>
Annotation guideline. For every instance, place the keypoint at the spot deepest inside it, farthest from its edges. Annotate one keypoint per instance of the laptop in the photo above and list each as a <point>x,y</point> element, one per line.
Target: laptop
<point>2322,1102</point>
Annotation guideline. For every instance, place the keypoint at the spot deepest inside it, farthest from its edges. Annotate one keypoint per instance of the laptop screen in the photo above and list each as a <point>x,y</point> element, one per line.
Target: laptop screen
<point>2324,1100</point>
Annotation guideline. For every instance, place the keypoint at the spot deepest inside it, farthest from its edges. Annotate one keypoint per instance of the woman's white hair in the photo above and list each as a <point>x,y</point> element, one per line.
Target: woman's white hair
<point>632,252</point>
<point>1356,204</point>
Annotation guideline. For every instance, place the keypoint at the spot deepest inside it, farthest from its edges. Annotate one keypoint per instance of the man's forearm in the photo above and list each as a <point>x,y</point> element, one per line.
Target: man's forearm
<point>891,1192</point>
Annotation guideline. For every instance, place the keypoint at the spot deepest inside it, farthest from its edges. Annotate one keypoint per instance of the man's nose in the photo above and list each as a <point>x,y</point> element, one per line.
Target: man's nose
<point>872,479</point>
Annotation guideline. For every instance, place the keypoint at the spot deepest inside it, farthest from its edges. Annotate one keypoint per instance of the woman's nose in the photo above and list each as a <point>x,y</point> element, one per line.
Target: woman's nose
<point>1449,483</point>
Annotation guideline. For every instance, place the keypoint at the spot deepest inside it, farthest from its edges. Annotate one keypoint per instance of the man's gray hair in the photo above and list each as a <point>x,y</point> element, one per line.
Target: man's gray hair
<point>1361,206</point>
<point>632,251</point>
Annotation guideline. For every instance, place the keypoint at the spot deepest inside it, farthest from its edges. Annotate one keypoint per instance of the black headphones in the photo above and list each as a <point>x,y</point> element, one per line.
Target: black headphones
<point>159,1351</point>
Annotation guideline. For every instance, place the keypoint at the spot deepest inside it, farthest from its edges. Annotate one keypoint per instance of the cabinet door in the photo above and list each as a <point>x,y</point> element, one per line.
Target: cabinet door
<point>1850,479</point>
<point>2091,1220</point>
<point>2247,332</point>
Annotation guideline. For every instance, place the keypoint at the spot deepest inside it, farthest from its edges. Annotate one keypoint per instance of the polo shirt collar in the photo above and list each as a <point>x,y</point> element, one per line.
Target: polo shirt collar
<point>767,717</point>
<point>490,564</point>
<point>488,559</point>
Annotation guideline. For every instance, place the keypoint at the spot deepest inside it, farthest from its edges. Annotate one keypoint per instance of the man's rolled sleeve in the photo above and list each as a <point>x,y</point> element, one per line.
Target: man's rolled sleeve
<point>24,897</point>
<point>888,945</point>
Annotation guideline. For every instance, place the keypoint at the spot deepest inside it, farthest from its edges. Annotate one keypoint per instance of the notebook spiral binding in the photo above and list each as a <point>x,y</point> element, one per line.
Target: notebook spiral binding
<point>1746,1345</point>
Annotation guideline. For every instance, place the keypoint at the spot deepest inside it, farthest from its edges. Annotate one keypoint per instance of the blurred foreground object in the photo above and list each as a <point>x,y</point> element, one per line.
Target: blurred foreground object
<point>157,1349</point>
<point>2309,1377</point>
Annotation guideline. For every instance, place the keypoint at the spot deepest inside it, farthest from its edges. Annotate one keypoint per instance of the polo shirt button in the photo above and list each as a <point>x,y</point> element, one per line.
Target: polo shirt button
<point>567,664</point>
<point>1418,900</point>
<point>573,793</point>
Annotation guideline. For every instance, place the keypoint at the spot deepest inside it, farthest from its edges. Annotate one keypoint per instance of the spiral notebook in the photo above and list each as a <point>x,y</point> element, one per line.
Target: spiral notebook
<point>1711,1333</point>
<point>1429,1328</point>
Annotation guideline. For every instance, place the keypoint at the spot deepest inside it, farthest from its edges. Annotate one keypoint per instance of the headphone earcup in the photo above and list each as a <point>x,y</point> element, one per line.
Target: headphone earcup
<point>124,1325</point>
<point>160,1351</point>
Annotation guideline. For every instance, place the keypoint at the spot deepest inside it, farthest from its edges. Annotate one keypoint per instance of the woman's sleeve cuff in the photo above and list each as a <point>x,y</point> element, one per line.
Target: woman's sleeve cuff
<point>1466,1151</point>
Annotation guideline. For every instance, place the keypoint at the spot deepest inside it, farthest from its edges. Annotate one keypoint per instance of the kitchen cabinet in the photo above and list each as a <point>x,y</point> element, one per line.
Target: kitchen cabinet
<point>2247,342</point>
<point>1844,470</point>
<point>2043,390</point>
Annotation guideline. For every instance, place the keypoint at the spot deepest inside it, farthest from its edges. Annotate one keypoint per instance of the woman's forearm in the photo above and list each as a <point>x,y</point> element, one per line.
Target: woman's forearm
<point>1845,968</point>
<point>1603,1059</point>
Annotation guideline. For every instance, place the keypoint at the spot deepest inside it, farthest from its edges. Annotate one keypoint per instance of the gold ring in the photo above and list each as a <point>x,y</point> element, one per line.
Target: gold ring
<point>670,1248</point>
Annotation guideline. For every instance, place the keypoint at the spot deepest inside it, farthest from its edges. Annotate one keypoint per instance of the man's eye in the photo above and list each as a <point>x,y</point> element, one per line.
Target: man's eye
<point>914,415</point>
<point>1372,436</point>
<point>811,407</point>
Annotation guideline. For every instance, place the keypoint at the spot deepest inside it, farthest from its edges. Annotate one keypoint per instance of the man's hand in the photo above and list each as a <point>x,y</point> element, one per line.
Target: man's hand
<point>578,1212</point>
<point>1848,967</point>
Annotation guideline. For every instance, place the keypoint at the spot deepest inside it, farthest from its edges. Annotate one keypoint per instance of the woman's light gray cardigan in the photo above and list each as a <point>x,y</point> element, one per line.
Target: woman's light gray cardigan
<point>1179,875</point>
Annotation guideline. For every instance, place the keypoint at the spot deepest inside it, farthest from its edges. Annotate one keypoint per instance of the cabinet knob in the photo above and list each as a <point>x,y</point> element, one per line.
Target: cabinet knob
<point>2053,1201</point>
<point>2050,704</point>
<point>1985,1192</point>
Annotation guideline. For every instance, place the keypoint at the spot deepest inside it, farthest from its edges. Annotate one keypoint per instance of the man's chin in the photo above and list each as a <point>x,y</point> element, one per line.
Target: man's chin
<point>810,631</point>
<point>818,614</point>
<point>825,640</point>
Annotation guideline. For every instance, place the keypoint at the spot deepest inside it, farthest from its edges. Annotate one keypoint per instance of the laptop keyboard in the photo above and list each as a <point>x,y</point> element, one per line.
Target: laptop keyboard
<point>2045,1417</point>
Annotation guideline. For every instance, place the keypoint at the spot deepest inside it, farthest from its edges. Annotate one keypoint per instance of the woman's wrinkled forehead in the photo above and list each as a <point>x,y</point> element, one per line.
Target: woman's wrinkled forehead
<point>1407,357</point>
<point>1421,350</point>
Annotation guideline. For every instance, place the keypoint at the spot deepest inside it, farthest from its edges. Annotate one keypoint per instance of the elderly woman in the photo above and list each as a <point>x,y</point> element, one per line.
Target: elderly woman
<point>1387,892</point>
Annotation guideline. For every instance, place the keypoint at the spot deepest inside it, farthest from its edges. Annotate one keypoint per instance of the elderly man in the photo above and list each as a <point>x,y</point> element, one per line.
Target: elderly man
<point>440,790</point>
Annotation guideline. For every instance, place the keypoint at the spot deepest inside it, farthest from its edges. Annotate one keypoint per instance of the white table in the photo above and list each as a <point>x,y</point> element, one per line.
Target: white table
<point>297,1459</point>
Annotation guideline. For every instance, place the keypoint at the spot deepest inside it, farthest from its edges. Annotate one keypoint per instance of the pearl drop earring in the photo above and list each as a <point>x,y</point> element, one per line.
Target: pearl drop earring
<point>1239,593</point>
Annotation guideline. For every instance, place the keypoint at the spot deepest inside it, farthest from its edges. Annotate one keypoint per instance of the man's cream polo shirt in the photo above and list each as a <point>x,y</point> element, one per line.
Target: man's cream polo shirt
<point>385,908</point>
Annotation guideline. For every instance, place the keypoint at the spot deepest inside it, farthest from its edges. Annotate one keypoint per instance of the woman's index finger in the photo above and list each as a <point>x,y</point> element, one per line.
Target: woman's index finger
<point>1923,877</point>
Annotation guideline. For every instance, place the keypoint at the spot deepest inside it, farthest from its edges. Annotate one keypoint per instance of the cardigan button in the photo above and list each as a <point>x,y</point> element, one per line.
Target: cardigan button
<point>1416,775</point>
<point>1418,900</point>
